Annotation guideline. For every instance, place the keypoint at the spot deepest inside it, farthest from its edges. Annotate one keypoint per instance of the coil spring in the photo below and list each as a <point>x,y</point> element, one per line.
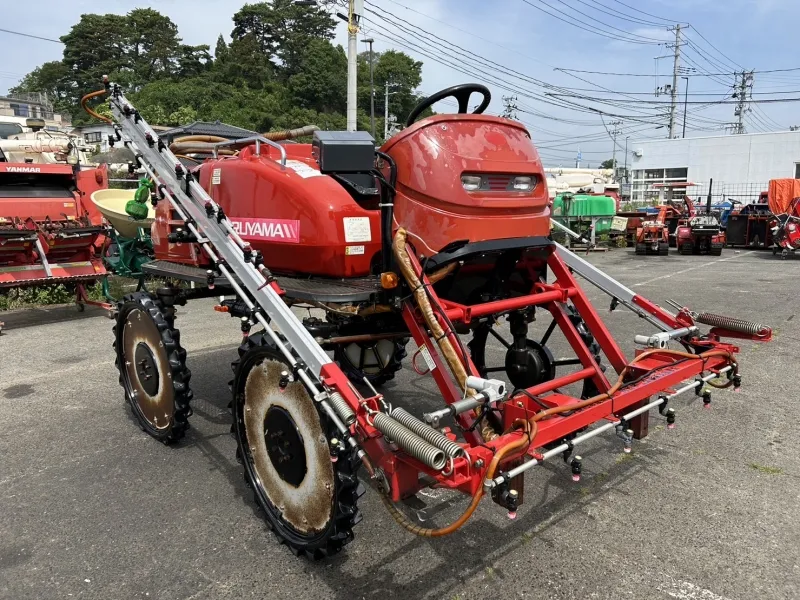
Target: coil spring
<point>428,433</point>
<point>731,324</point>
<point>342,408</point>
<point>410,442</point>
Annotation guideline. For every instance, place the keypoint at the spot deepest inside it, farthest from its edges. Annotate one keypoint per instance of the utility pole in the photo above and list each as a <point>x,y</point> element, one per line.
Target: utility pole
<point>614,135</point>
<point>627,179</point>
<point>743,94</point>
<point>354,12</point>
<point>685,104</point>
<point>370,41</point>
<point>675,68</point>
<point>386,113</point>
<point>510,108</point>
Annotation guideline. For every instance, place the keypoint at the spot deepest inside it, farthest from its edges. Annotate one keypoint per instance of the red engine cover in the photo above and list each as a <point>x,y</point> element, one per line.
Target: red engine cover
<point>432,203</point>
<point>302,221</point>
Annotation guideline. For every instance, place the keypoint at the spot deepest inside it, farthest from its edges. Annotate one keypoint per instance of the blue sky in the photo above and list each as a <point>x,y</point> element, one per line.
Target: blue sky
<point>529,44</point>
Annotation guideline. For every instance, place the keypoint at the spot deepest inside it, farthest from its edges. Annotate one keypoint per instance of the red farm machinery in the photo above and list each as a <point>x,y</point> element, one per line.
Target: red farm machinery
<point>50,232</point>
<point>784,224</point>
<point>679,227</point>
<point>442,231</point>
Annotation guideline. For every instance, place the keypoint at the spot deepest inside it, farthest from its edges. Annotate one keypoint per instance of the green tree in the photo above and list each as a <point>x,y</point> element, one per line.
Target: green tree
<point>52,78</point>
<point>403,74</point>
<point>321,81</point>
<point>608,164</point>
<point>242,63</point>
<point>183,116</point>
<point>283,30</point>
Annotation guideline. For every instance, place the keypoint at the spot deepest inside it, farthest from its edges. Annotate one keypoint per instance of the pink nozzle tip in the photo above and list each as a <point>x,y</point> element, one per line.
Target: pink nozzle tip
<point>512,514</point>
<point>671,426</point>
<point>211,286</point>
<point>334,458</point>
<point>576,478</point>
<point>737,389</point>
<point>707,406</point>
<point>627,450</point>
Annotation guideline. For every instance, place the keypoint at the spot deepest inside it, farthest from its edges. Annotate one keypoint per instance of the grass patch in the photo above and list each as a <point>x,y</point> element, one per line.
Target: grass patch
<point>766,469</point>
<point>49,295</point>
<point>489,573</point>
<point>621,458</point>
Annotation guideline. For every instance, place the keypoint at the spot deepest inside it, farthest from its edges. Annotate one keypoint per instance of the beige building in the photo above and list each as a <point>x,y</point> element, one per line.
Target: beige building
<point>32,105</point>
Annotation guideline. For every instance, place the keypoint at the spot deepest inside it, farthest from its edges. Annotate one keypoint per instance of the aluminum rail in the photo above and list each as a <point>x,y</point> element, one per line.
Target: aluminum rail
<point>491,483</point>
<point>607,284</point>
<point>258,140</point>
<point>215,233</point>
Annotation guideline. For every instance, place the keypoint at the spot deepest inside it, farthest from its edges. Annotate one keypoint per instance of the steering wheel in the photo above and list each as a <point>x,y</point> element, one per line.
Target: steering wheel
<point>462,93</point>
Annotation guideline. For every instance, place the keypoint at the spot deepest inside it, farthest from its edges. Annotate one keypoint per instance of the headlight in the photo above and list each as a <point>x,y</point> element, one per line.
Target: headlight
<point>471,183</point>
<point>522,183</point>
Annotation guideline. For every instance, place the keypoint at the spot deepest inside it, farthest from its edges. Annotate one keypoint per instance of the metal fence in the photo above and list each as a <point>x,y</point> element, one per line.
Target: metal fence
<point>745,193</point>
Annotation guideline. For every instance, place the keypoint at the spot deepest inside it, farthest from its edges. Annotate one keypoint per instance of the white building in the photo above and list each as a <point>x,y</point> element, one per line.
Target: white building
<point>95,135</point>
<point>31,105</point>
<point>740,165</point>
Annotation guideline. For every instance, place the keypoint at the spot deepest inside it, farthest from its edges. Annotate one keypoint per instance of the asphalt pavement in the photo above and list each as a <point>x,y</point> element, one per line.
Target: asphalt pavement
<point>90,507</point>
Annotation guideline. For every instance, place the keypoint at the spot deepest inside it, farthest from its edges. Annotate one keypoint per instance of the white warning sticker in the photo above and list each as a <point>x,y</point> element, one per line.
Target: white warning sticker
<point>426,355</point>
<point>305,171</point>
<point>356,229</point>
<point>353,250</point>
<point>216,176</point>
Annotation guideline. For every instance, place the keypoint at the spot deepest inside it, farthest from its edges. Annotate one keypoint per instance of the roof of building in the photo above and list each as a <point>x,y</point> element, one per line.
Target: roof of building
<point>206,128</point>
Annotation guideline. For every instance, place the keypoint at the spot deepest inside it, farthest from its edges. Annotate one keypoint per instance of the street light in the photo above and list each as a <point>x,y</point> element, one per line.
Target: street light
<point>685,103</point>
<point>370,41</point>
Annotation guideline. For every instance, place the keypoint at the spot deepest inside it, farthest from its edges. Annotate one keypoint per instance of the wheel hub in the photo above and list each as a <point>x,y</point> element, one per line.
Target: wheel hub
<point>146,368</point>
<point>285,446</point>
<point>530,366</point>
<point>145,363</point>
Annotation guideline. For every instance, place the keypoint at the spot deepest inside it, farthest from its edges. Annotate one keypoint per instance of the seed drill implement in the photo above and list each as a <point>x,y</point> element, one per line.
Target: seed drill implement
<point>441,233</point>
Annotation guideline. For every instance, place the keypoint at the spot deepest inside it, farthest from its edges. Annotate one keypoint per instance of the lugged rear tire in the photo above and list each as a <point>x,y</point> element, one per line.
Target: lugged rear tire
<point>307,499</point>
<point>377,365</point>
<point>152,367</point>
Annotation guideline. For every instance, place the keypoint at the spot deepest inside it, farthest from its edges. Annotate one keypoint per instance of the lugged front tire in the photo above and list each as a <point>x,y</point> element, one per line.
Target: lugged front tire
<point>307,498</point>
<point>152,367</point>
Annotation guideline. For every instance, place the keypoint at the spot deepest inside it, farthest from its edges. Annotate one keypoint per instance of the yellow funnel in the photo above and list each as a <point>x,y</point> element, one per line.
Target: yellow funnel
<point>112,204</point>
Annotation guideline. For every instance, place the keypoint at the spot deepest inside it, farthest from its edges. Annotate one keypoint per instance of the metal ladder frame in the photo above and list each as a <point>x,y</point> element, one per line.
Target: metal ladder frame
<point>215,234</point>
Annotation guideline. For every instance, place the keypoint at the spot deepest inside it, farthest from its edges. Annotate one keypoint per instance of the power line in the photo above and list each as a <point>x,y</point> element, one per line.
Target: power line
<point>589,27</point>
<point>618,14</point>
<point>36,37</point>
<point>688,75</point>
<point>484,63</point>
<point>644,13</point>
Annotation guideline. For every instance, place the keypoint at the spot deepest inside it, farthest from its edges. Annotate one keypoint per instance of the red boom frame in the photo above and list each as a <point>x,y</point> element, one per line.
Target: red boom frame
<point>656,372</point>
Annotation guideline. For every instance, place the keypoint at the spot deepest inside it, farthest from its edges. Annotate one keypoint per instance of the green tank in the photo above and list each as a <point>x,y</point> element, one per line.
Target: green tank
<point>576,211</point>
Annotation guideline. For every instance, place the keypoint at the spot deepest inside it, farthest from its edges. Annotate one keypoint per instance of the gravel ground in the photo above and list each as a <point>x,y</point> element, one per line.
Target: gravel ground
<point>90,507</point>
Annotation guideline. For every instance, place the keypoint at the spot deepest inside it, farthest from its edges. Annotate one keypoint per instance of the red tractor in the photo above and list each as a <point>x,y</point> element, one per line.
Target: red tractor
<point>699,234</point>
<point>442,231</point>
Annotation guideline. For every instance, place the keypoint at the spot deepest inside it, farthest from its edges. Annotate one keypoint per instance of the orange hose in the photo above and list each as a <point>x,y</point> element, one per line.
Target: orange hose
<point>531,429</point>
<point>528,434</point>
<point>85,107</point>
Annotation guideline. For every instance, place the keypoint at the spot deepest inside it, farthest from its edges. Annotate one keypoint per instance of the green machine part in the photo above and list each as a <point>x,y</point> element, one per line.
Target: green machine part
<point>137,208</point>
<point>578,209</point>
<point>126,256</point>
